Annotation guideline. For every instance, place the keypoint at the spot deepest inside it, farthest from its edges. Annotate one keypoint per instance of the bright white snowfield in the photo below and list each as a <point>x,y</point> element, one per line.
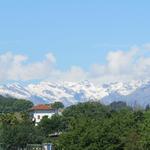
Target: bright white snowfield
<point>71,93</point>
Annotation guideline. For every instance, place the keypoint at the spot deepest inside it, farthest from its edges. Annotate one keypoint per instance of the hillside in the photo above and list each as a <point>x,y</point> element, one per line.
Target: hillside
<point>8,104</point>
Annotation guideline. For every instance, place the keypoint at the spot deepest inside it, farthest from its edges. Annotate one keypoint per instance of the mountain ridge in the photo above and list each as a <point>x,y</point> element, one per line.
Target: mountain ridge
<point>74,92</point>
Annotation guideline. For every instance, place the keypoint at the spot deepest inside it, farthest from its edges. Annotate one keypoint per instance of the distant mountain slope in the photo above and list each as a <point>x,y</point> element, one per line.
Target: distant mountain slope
<point>71,93</point>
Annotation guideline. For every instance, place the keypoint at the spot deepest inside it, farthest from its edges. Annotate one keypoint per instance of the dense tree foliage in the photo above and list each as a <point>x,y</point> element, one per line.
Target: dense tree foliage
<point>57,105</point>
<point>86,126</point>
<point>8,104</point>
<point>17,130</point>
<point>92,126</point>
<point>48,126</point>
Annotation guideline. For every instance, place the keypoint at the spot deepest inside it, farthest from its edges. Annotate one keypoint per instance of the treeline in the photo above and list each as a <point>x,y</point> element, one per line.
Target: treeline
<point>86,126</point>
<point>92,126</point>
<point>9,105</point>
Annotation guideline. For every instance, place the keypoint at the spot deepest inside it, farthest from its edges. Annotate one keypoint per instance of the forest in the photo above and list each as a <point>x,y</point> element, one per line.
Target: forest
<point>85,126</point>
<point>10,105</point>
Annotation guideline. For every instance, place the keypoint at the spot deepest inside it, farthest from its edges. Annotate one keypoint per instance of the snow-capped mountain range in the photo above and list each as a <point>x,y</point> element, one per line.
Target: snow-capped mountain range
<point>134,92</point>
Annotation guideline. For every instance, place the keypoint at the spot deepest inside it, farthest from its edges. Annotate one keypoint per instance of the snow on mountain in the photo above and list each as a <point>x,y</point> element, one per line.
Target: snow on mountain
<point>71,92</point>
<point>124,88</point>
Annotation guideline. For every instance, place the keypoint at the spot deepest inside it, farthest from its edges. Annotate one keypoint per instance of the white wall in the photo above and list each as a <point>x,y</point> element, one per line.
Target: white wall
<point>42,114</point>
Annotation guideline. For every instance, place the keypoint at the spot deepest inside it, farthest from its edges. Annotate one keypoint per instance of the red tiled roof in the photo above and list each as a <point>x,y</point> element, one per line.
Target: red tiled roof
<point>41,107</point>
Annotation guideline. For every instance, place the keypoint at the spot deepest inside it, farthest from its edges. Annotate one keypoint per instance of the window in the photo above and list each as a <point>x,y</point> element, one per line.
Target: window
<point>38,117</point>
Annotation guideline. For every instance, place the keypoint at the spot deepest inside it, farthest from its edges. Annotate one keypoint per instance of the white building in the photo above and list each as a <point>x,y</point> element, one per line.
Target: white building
<point>39,111</point>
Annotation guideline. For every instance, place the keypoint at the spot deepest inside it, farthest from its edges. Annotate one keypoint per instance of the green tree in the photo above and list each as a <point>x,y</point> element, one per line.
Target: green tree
<point>97,127</point>
<point>9,105</point>
<point>21,105</point>
<point>17,131</point>
<point>52,125</point>
<point>57,105</point>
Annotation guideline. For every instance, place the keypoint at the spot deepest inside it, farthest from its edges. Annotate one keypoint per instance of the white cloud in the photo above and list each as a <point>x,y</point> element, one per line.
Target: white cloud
<point>15,67</point>
<point>50,57</point>
<point>120,61</point>
<point>120,66</point>
<point>73,74</point>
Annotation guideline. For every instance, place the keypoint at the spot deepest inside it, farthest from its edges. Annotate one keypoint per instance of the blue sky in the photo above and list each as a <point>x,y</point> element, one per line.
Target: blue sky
<point>77,33</point>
